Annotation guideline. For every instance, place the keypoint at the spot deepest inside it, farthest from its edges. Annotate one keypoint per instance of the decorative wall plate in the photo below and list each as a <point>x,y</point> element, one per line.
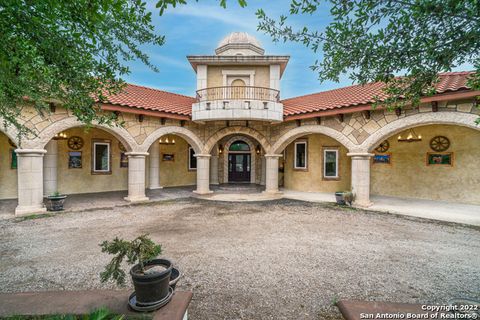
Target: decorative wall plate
<point>75,143</point>
<point>439,143</point>
<point>383,147</point>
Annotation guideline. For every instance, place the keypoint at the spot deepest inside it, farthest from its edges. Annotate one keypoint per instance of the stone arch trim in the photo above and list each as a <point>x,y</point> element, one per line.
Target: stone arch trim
<point>49,132</point>
<point>452,118</point>
<point>186,134</point>
<point>252,157</point>
<point>10,131</point>
<point>298,132</point>
<point>237,131</point>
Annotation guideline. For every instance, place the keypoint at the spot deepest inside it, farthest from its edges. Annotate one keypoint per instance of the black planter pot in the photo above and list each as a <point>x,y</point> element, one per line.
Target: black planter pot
<point>339,198</point>
<point>174,277</point>
<point>150,288</point>
<point>55,203</point>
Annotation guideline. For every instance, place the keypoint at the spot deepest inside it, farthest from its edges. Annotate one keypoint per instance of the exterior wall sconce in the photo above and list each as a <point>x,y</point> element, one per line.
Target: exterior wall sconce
<point>265,104</point>
<point>167,141</point>
<point>247,104</point>
<point>208,106</point>
<point>258,149</point>
<point>225,104</point>
<point>220,149</point>
<point>140,118</point>
<point>60,136</point>
<point>411,137</point>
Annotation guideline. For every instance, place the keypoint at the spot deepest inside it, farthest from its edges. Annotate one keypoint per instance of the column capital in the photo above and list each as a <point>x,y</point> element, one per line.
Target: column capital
<point>136,154</point>
<point>272,155</point>
<point>30,152</point>
<point>360,155</point>
<point>202,155</point>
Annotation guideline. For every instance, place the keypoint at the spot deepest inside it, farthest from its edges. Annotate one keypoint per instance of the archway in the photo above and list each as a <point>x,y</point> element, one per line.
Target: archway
<point>217,136</point>
<point>239,163</point>
<point>439,162</point>
<point>49,133</point>
<point>186,134</point>
<point>8,167</point>
<point>454,118</point>
<point>293,134</point>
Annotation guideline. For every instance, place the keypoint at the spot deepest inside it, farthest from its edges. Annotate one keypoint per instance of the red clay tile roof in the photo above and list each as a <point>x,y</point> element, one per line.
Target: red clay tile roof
<point>152,99</point>
<point>361,94</point>
<point>140,97</point>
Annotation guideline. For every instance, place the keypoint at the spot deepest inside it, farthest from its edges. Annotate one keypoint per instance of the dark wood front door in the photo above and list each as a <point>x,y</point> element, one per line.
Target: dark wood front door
<point>239,167</point>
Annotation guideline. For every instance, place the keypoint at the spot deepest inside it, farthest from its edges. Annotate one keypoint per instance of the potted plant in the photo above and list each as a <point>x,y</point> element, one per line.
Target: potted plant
<point>344,197</point>
<point>55,201</point>
<point>150,276</point>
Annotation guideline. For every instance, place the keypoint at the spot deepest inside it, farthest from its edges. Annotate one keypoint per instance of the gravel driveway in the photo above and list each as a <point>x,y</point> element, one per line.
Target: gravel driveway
<point>271,260</point>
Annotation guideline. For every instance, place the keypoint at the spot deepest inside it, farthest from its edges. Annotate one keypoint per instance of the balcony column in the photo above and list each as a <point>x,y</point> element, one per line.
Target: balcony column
<point>154,172</point>
<point>50,168</point>
<point>136,176</point>
<point>30,181</point>
<point>271,173</point>
<point>203,174</point>
<point>361,178</point>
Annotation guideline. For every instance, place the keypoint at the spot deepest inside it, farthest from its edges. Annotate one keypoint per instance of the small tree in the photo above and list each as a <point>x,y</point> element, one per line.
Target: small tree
<point>139,250</point>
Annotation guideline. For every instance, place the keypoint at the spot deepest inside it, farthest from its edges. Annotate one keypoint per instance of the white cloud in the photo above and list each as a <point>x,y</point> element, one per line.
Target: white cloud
<point>238,19</point>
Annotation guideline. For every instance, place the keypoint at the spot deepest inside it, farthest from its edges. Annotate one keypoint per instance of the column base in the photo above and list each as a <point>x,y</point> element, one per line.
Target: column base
<point>155,188</point>
<point>273,192</point>
<point>28,210</point>
<point>362,204</point>
<point>136,199</point>
<point>202,192</point>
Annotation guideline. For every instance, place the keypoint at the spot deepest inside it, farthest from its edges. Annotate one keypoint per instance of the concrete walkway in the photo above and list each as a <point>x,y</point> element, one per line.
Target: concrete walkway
<point>429,209</point>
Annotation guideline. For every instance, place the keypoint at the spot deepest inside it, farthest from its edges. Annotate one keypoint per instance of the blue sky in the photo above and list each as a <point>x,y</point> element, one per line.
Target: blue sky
<point>198,27</point>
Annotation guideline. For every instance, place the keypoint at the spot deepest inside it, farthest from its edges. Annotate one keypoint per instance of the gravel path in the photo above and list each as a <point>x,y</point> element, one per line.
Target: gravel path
<point>273,260</point>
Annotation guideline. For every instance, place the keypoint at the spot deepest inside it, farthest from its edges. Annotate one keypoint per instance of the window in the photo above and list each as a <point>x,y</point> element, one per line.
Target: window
<point>192,160</point>
<point>101,156</point>
<point>330,163</point>
<point>300,155</point>
<point>239,146</point>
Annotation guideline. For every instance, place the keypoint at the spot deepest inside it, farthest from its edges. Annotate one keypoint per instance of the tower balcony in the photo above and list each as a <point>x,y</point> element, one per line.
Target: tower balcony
<point>238,103</point>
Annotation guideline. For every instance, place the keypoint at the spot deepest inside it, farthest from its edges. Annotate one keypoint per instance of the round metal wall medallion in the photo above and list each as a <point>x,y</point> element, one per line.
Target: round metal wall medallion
<point>383,147</point>
<point>439,143</point>
<point>75,143</point>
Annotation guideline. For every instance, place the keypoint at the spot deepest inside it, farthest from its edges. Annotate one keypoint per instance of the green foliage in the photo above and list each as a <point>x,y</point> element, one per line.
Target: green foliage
<point>98,314</point>
<point>70,53</point>
<point>372,40</point>
<point>139,250</point>
<point>164,4</point>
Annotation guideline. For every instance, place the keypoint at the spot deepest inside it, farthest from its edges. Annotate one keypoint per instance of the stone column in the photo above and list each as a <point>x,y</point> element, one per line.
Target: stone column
<point>271,173</point>
<point>136,176</point>
<point>203,174</point>
<point>214,170</point>
<point>361,178</point>
<point>154,179</point>
<point>50,168</point>
<point>263,170</point>
<point>30,181</point>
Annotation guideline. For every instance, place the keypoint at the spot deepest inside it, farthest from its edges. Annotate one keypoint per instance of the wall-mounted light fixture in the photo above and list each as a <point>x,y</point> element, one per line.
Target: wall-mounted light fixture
<point>258,149</point>
<point>60,136</point>
<point>167,140</point>
<point>411,136</point>
<point>220,149</point>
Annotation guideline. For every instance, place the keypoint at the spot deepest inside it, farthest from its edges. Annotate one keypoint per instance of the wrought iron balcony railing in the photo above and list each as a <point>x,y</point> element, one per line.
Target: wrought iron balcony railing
<point>238,93</point>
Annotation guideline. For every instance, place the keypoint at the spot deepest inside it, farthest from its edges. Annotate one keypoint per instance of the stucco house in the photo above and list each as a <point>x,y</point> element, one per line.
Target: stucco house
<point>238,129</point>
